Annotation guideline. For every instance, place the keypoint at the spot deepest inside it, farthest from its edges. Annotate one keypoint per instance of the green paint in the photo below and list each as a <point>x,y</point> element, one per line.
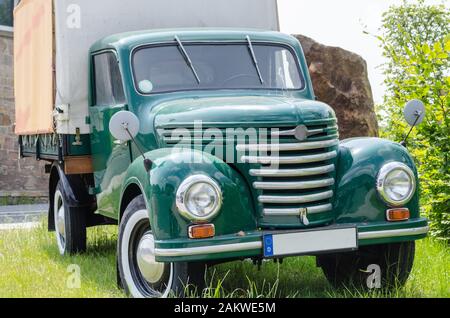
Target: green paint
<point>110,161</point>
<point>165,178</point>
<point>117,167</point>
<point>256,235</point>
<point>79,147</point>
<point>359,161</point>
<point>47,145</point>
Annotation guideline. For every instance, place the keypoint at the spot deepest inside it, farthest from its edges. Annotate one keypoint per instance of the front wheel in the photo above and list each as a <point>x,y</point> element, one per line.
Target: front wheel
<point>140,274</point>
<point>391,262</point>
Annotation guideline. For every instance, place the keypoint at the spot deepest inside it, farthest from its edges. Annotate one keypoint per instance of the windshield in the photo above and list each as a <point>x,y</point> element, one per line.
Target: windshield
<point>188,66</point>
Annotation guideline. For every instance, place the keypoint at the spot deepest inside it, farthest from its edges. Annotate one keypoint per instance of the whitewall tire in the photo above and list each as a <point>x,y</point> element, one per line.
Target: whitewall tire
<point>140,274</point>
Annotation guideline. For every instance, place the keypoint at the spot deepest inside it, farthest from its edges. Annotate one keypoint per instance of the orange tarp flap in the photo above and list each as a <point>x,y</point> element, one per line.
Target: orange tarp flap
<point>33,66</point>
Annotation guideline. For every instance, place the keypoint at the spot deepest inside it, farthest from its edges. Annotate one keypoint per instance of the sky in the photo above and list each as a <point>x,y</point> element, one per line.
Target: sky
<point>341,23</point>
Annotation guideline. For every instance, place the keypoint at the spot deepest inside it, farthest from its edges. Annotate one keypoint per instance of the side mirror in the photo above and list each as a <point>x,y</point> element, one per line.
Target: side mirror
<point>414,112</point>
<point>124,125</point>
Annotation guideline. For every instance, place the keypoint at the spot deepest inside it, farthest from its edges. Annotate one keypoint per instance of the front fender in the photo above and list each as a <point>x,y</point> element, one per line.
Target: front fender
<point>359,161</point>
<point>170,166</point>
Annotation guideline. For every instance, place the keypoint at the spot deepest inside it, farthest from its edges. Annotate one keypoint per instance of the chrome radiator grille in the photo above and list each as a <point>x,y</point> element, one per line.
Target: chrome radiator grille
<point>303,180</point>
<point>305,173</point>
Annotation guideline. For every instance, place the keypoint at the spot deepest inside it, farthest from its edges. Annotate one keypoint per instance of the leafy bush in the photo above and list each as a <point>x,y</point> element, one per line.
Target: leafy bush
<point>415,38</point>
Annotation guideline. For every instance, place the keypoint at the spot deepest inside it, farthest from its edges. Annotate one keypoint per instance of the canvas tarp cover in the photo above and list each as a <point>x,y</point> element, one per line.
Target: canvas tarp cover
<point>33,67</point>
<point>80,23</point>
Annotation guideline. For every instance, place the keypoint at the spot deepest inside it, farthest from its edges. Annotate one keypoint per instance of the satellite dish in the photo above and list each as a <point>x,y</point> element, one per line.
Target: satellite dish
<point>414,112</point>
<point>124,125</point>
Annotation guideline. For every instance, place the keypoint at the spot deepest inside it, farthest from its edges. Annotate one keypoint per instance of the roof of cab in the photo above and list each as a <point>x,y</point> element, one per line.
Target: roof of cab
<point>136,38</point>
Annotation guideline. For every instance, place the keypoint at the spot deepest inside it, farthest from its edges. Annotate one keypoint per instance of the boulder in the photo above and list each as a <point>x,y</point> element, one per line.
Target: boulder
<point>340,79</point>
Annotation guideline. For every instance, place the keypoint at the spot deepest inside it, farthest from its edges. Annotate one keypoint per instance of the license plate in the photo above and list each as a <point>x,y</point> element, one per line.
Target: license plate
<point>296,243</point>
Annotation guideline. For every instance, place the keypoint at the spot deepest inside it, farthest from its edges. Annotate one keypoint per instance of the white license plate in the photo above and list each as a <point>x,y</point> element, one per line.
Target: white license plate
<point>296,243</point>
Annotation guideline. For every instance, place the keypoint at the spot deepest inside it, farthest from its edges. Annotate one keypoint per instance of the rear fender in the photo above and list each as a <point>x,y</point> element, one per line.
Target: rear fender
<point>75,193</point>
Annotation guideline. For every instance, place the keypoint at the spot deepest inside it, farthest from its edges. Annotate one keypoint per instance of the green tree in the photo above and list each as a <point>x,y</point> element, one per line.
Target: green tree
<point>415,38</point>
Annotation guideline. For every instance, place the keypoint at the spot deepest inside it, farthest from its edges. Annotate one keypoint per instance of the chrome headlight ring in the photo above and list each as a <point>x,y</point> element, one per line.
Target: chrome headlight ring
<point>184,198</point>
<point>405,182</point>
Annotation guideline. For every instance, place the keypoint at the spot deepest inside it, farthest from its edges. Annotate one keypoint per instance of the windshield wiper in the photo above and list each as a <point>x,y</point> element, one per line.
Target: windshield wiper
<point>255,62</point>
<point>186,58</point>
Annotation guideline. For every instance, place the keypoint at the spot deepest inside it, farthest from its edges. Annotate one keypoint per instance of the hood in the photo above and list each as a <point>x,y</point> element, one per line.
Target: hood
<point>282,112</point>
<point>240,111</point>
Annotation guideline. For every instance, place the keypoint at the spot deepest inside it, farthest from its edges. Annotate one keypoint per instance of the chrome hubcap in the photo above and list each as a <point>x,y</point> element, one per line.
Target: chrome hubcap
<point>150,269</point>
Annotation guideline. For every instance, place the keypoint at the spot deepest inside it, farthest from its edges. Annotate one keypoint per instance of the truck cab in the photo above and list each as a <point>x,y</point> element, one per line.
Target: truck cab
<point>209,146</point>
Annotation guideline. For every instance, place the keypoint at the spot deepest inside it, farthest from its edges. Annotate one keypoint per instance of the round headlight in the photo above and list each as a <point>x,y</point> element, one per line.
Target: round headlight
<point>396,183</point>
<point>199,198</point>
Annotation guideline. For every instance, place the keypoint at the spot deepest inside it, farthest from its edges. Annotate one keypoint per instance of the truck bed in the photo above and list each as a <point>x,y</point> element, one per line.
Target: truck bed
<point>71,150</point>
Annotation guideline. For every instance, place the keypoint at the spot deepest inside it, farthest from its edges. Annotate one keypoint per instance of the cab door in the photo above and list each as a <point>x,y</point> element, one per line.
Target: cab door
<point>110,157</point>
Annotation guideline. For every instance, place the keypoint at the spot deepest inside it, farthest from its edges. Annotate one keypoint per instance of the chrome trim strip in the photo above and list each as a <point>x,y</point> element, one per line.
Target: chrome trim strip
<point>213,249</point>
<point>288,146</point>
<point>291,132</point>
<point>180,197</point>
<point>315,131</point>
<point>289,159</point>
<point>296,211</point>
<point>393,233</point>
<point>264,172</point>
<point>262,185</point>
<point>224,248</point>
<point>295,198</point>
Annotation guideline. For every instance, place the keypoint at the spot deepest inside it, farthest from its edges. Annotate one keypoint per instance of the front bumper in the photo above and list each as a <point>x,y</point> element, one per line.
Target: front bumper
<point>250,244</point>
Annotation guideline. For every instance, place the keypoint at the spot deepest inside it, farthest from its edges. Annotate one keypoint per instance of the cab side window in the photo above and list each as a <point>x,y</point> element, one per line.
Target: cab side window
<point>108,82</point>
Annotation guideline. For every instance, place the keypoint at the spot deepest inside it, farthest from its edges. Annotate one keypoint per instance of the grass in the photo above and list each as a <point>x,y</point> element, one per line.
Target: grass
<point>31,267</point>
<point>10,200</point>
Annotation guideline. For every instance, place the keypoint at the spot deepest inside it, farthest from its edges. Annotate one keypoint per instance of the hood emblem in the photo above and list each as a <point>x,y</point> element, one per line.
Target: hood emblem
<point>301,132</point>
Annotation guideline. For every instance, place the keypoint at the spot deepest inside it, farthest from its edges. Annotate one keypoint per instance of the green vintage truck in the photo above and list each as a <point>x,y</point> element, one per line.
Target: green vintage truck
<point>208,145</point>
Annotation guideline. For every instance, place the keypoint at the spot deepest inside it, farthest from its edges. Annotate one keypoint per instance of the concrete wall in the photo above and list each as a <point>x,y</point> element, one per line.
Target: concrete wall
<point>24,177</point>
